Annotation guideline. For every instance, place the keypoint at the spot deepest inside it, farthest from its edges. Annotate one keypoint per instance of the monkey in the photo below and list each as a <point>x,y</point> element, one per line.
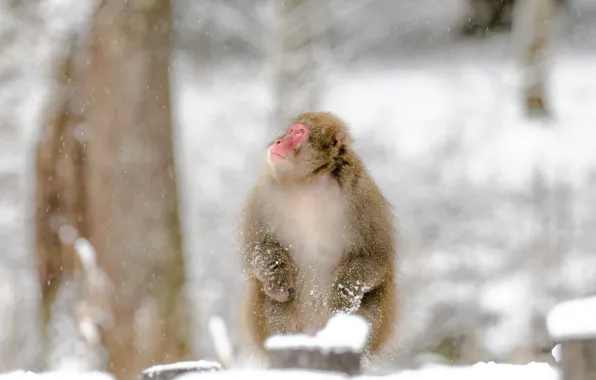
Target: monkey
<point>317,238</point>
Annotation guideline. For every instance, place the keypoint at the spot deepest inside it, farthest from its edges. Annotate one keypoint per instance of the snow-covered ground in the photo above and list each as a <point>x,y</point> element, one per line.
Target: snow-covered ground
<point>485,371</point>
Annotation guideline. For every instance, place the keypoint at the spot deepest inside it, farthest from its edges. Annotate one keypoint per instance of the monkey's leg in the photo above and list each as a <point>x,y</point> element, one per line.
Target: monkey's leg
<point>280,317</point>
<point>379,308</point>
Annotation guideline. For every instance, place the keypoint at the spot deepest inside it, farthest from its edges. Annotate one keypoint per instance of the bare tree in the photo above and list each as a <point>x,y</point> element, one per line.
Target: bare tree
<point>299,50</point>
<point>487,15</point>
<point>131,192</point>
<point>537,14</point>
<point>484,16</point>
<point>60,186</point>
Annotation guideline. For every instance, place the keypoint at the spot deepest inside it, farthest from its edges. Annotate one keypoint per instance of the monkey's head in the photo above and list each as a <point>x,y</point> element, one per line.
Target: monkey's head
<point>311,146</point>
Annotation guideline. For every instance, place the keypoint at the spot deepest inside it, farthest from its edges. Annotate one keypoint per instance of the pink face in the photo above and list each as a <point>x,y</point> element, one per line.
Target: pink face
<point>282,148</point>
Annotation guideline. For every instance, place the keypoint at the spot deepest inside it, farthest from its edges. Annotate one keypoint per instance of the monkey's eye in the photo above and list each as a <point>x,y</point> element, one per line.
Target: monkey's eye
<point>300,131</point>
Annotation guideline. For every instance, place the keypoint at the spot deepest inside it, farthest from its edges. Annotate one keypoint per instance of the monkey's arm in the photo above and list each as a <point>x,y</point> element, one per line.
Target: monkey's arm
<point>370,263</point>
<point>265,258</point>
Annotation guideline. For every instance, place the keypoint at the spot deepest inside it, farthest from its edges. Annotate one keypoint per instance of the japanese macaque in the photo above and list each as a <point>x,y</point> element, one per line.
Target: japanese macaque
<point>317,237</point>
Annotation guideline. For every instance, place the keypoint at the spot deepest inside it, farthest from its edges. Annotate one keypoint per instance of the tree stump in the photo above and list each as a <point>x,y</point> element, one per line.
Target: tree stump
<point>578,359</point>
<point>170,371</point>
<point>572,325</point>
<point>315,358</point>
<point>338,347</point>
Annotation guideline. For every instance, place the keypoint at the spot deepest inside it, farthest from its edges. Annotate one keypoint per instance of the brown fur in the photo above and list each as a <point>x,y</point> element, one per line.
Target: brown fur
<point>276,300</point>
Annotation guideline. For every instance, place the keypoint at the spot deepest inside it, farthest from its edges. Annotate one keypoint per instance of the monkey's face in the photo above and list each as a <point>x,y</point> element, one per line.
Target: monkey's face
<point>284,150</point>
<point>307,148</point>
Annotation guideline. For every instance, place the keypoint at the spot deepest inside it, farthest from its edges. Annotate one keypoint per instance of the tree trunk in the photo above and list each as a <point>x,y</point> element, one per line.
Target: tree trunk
<point>490,16</point>
<point>539,16</point>
<point>133,218</point>
<point>60,191</point>
<point>487,16</point>
<point>299,46</point>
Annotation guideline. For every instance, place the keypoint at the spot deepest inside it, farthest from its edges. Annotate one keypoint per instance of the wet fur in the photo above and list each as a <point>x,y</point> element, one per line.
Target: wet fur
<point>323,232</point>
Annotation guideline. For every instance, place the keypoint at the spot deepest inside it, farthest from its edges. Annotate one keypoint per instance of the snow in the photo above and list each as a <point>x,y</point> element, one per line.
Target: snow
<point>484,371</point>
<point>332,337</point>
<point>86,253</point>
<point>221,340</point>
<point>480,371</point>
<point>556,352</point>
<point>511,297</point>
<point>204,365</point>
<point>573,319</point>
<point>61,375</point>
<point>335,335</point>
<point>262,375</point>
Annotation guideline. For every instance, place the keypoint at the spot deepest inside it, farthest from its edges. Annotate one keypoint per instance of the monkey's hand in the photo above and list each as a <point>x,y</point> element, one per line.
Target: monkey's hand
<point>272,266</point>
<point>347,296</point>
<point>278,281</point>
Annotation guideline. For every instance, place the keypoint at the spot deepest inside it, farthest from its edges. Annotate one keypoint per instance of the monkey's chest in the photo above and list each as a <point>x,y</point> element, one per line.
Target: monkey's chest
<point>312,223</point>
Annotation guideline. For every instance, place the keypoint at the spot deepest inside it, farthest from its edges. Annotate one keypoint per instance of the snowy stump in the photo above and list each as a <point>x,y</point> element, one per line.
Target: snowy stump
<point>572,325</point>
<point>338,347</point>
<point>170,371</point>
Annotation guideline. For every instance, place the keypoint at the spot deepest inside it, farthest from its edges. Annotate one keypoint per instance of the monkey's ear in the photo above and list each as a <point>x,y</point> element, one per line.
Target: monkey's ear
<point>339,139</point>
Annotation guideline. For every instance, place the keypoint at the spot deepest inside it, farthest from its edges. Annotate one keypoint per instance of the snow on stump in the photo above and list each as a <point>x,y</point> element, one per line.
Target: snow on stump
<point>572,325</point>
<point>170,371</point>
<point>338,347</point>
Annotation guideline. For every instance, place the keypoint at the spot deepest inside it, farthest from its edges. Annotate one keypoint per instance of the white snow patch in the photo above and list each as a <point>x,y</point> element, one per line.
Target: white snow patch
<point>573,319</point>
<point>204,365</point>
<point>86,253</point>
<point>556,352</point>
<point>263,375</point>
<point>484,371</point>
<point>341,332</point>
<point>17,375</point>
<point>57,375</point>
<point>221,340</point>
<point>508,297</point>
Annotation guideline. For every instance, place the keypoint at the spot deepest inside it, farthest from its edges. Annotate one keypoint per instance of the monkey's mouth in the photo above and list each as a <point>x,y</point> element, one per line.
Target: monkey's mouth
<point>278,155</point>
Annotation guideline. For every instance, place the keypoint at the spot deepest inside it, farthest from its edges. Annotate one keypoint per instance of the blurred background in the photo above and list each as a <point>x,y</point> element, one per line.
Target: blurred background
<point>130,131</point>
